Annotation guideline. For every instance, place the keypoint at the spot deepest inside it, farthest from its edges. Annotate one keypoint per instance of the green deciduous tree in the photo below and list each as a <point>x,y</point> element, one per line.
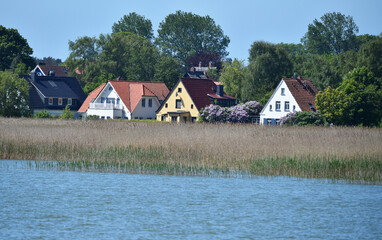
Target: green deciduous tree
<point>128,56</point>
<point>232,76</point>
<point>167,70</point>
<point>370,56</point>
<point>268,64</point>
<point>14,49</point>
<point>183,34</point>
<point>66,113</point>
<point>134,23</point>
<point>335,33</point>
<point>357,101</point>
<point>14,94</point>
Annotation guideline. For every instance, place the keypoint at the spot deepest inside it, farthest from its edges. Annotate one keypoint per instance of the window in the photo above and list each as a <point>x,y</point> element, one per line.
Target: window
<point>184,119</point>
<point>110,88</point>
<point>59,101</point>
<point>278,105</point>
<point>102,99</point>
<point>110,100</point>
<point>163,118</point>
<point>174,118</point>
<point>270,108</point>
<point>269,121</point>
<point>143,102</point>
<point>286,106</point>
<point>166,105</point>
<point>294,108</point>
<point>193,119</point>
<point>192,106</point>
<point>69,101</point>
<point>178,103</point>
<point>179,90</point>
<point>150,102</point>
<point>282,91</point>
<point>118,101</point>
<point>277,121</point>
<point>50,101</point>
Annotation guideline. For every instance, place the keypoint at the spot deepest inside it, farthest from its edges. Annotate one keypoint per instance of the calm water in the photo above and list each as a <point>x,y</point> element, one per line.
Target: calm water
<point>48,204</point>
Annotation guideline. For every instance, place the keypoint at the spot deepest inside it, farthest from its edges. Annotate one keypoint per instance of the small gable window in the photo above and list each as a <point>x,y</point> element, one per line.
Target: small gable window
<point>278,105</point>
<point>69,101</point>
<point>150,102</point>
<point>270,108</point>
<point>166,105</point>
<point>179,90</point>
<point>50,101</point>
<point>110,88</point>
<point>59,101</point>
<point>283,91</point>
<point>294,108</point>
<point>102,99</point>
<point>178,103</point>
<point>192,106</point>
<point>143,102</point>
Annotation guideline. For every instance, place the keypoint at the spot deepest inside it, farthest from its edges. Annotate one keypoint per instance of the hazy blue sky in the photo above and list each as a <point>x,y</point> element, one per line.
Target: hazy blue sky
<point>48,25</point>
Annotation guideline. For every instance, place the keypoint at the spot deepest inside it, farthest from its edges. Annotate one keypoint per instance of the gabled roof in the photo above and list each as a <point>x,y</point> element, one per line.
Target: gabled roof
<point>202,91</point>
<point>131,92</point>
<point>92,95</point>
<point>57,87</point>
<point>59,71</point>
<point>303,91</point>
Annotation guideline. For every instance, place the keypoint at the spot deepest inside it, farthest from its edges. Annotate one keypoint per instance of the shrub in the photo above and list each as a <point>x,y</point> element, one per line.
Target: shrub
<point>92,117</point>
<point>240,113</point>
<point>303,119</point>
<point>43,114</point>
<point>66,113</point>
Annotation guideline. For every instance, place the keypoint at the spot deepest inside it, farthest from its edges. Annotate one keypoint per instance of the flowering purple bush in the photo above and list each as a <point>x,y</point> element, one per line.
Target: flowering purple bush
<point>240,113</point>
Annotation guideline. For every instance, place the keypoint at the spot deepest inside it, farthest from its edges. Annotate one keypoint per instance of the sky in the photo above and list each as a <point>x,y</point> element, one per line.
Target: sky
<point>48,25</point>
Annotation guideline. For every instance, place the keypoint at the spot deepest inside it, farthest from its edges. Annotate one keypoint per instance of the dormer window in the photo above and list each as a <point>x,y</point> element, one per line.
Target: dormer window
<point>283,91</point>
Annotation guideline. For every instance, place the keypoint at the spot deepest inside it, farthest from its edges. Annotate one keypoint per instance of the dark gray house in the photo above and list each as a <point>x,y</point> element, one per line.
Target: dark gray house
<point>53,93</point>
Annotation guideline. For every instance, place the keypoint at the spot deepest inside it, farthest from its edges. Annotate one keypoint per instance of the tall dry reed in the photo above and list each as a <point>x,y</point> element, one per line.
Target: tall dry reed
<point>339,152</point>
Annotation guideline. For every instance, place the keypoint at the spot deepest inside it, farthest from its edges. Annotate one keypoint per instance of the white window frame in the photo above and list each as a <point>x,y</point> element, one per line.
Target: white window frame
<point>278,106</point>
<point>70,101</point>
<point>286,106</point>
<point>50,101</point>
<point>59,101</point>
<point>283,91</point>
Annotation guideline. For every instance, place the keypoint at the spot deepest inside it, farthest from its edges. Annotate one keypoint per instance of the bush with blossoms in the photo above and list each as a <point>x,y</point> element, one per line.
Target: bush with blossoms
<point>241,113</point>
<point>303,119</point>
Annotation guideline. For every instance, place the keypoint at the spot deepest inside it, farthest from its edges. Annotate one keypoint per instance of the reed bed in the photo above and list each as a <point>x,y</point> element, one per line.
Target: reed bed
<point>353,154</point>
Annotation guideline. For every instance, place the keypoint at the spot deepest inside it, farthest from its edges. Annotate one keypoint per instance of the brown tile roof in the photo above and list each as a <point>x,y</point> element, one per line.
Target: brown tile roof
<point>303,91</point>
<point>90,97</point>
<point>200,90</point>
<point>59,71</point>
<point>132,92</point>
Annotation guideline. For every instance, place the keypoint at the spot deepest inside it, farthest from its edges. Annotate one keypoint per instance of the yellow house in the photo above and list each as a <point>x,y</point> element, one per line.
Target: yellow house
<point>189,96</point>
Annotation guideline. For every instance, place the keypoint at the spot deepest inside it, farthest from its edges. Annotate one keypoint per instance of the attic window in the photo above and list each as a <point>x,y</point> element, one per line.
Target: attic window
<point>192,106</point>
<point>110,88</point>
<point>283,91</point>
<point>179,90</point>
<point>270,108</point>
<point>53,84</point>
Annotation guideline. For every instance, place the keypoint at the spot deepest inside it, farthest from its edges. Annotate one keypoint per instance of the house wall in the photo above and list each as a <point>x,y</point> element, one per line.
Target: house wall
<point>186,103</point>
<point>274,115</point>
<point>109,113</point>
<point>146,112</point>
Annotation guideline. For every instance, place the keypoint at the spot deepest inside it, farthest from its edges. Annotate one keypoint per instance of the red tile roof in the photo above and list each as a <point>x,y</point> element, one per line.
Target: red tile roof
<point>90,97</point>
<point>200,90</point>
<point>131,92</point>
<point>303,91</point>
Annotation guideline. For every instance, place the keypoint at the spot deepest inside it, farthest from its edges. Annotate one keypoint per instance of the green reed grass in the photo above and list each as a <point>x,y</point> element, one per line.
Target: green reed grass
<point>353,154</point>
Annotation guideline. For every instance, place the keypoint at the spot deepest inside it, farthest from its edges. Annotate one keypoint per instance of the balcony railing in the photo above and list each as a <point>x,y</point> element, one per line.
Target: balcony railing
<point>105,106</point>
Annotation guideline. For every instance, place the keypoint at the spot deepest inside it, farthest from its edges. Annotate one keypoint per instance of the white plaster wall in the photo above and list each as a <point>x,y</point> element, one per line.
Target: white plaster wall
<point>146,112</point>
<point>277,96</point>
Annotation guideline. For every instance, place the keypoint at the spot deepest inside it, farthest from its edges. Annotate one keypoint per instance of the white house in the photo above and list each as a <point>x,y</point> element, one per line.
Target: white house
<point>125,99</point>
<point>291,95</point>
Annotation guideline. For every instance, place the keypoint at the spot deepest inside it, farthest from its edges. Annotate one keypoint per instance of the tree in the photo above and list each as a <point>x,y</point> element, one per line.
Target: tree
<point>134,23</point>
<point>66,113</point>
<point>14,47</point>
<point>167,70</point>
<point>232,76</point>
<point>357,101</point>
<point>303,119</point>
<point>49,61</point>
<point>335,33</point>
<point>14,94</point>
<point>183,34</point>
<point>268,64</point>
<point>128,56</point>
<point>82,61</point>
<point>370,56</point>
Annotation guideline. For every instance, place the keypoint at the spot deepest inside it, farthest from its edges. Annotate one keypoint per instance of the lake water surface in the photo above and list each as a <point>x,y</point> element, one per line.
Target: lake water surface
<point>49,204</point>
